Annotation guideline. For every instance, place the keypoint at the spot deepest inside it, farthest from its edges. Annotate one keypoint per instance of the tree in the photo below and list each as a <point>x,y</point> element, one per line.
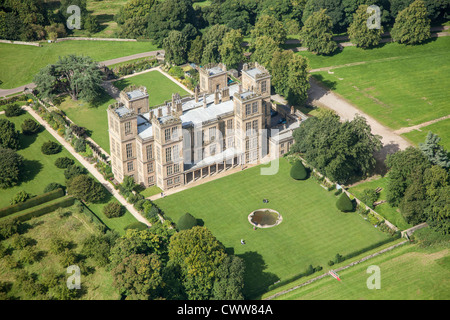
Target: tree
<point>412,25</point>
<point>10,167</point>
<point>344,203</point>
<point>264,48</point>
<point>212,40</point>
<point>98,247</point>
<point>73,171</point>
<point>341,150</point>
<point>317,33</point>
<point>269,26</point>
<point>229,279</point>
<point>13,110</point>
<point>138,276</point>
<point>186,221</point>
<point>114,210</point>
<point>198,254</point>
<point>64,162</point>
<point>30,127</point>
<point>359,33</point>
<point>86,188</point>
<point>369,196</point>
<point>78,76</point>
<point>290,76</point>
<point>169,15</point>
<point>50,147</point>
<point>231,49</point>
<point>402,165</point>
<point>298,171</point>
<point>434,152</point>
<point>9,137</point>
<point>20,196</point>
<point>53,186</point>
<point>333,8</point>
<point>133,18</point>
<point>175,46</point>
<point>196,50</point>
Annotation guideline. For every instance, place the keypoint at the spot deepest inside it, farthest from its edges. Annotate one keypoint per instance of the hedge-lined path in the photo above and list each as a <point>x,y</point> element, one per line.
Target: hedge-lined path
<point>90,167</point>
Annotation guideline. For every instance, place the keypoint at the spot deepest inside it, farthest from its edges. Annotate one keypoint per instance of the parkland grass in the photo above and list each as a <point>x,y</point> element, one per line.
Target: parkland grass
<point>398,85</point>
<point>19,63</point>
<point>313,231</point>
<point>441,128</point>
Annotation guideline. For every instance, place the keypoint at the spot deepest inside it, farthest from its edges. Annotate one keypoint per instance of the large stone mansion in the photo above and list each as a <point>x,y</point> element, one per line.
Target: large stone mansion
<point>219,127</point>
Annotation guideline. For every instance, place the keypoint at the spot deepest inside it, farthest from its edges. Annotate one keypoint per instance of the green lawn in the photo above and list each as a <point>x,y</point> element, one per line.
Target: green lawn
<point>384,209</point>
<point>400,86</point>
<point>92,116</point>
<point>159,87</point>
<point>406,273</point>
<point>441,128</point>
<point>40,170</point>
<point>19,63</point>
<point>313,231</point>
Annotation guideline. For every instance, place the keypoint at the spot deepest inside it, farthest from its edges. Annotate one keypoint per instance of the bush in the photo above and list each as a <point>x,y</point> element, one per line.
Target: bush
<point>53,186</point>
<point>137,225</point>
<point>50,147</point>
<point>79,145</point>
<point>20,197</point>
<point>58,245</point>
<point>114,210</point>
<point>64,162</point>
<point>86,188</point>
<point>298,171</point>
<point>13,110</point>
<point>29,127</point>
<point>186,221</point>
<point>73,171</point>
<point>344,203</point>
<point>8,228</point>
<point>369,196</point>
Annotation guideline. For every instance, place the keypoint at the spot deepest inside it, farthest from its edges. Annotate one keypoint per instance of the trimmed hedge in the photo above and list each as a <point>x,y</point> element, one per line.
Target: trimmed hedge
<point>298,171</point>
<point>186,221</point>
<point>41,210</point>
<point>55,194</point>
<point>344,203</point>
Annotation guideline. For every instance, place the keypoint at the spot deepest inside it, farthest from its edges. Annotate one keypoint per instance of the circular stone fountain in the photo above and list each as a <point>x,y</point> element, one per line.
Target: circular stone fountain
<point>265,218</point>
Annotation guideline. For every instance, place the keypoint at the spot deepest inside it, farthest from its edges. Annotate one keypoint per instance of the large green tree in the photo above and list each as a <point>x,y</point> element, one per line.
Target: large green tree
<point>333,8</point>
<point>412,25</point>
<point>78,76</point>
<point>269,26</point>
<point>435,153</point>
<point>359,33</point>
<point>175,47</point>
<point>263,49</point>
<point>86,188</point>
<point>231,49</point>
<point>10,167</point>
<point>133,18</point>
<point>229,281</point>
<point>317,34</point>
<point>9,136</point>
<point>198,254</point>
<point>341,150</point>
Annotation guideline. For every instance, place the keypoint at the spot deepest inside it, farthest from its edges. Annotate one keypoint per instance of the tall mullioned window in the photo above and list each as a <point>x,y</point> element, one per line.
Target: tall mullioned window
<point>254,107</point>
<point>167,134</point>
<point>129,150</point>
<point>149,150</point>
<point>168,154</point>
<point>263,86</point>
<point>128,127</point>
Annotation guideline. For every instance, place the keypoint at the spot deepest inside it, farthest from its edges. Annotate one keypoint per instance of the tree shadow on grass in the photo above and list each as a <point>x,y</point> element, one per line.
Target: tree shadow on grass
<point>26,140</point>
<point>256,280</point>
<point>122,84</point>
<point>331,85</point>
<point>102,98</point>
<point>30,169</point>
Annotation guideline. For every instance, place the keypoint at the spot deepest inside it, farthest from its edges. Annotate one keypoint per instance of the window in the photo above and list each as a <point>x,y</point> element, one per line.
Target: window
<point>158,154</point>
<point>230,124</point>
<point>113,146</point>
<point>149,150</point>
<point>176,153</point>
<point>169,170</point>
<point>263,86</point>
<point>176,179</point>
<point>176,168</point>
<point>255,125</point>
<point>149,167</point>
<point>212,133</point>
<point>168,154</point>
<point>169,182</point>
<point>167,134</point>
<point>129,150</point>
<point>212,149</point>
<point>247,145</point>
<point>128,127</point>
<point>174,132</point>
<point>130,166</point>
<point>139,110</point>
<point>230,142</point>
<point>151,179</point>
<point>254,107</point>
<point>248,128</point>
<point>247,109</point>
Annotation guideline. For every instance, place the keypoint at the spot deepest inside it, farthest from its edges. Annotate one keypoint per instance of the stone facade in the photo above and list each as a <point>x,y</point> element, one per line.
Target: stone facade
<point>185,139</point>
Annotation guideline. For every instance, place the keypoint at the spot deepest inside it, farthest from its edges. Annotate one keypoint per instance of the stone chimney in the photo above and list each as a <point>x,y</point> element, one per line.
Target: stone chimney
<point>204,100</point>
<point>240,88</point>
<point>245,67</point>
<point>196,93</point>
<point>159,112</point>
<point>225,94</point>
<point>150,115</point>
<point>216,97</point>
<point>292,110</point>
<point>179,107</point>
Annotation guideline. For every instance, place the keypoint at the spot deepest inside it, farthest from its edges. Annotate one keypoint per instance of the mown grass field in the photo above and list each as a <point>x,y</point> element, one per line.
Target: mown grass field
<point>398,85</point>
<point>406,273</point>
<point>96,285</point>
<point>313,231</point>
<point>159,87</point>
<point>441,128</point>
<point>40,170</point>
<point>19,63</point>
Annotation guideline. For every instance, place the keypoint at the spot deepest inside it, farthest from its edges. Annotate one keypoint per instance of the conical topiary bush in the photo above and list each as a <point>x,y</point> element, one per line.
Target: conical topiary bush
<point>344,203</point>
<point>186,221</point>
<point>298,171</point>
